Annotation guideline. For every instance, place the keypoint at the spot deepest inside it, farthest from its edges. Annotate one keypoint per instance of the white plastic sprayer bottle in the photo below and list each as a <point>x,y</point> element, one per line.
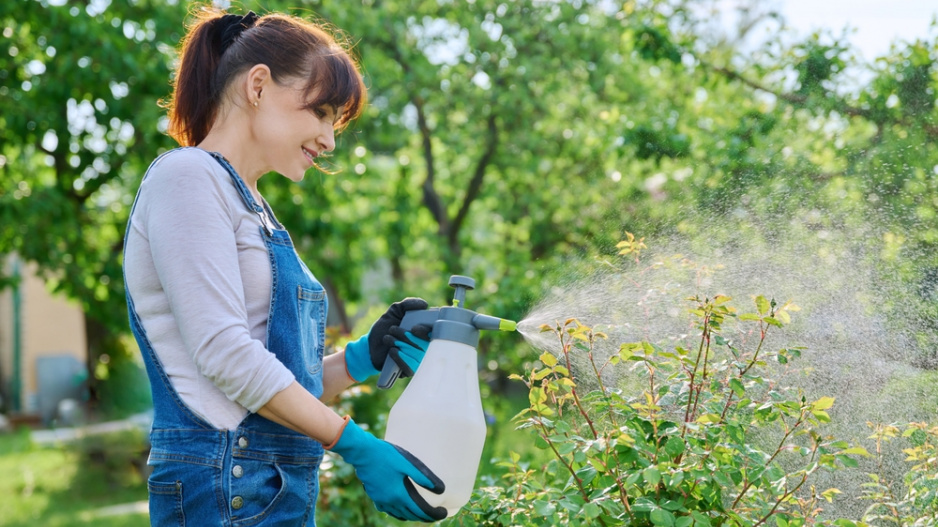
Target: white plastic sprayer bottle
<point>439,417</point>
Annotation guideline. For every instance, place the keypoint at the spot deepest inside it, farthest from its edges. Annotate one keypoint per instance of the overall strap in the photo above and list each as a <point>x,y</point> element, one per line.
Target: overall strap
<point>247,197</point>
<point>169,408</point>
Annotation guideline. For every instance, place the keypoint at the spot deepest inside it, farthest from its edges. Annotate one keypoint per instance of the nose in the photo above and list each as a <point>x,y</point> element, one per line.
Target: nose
<point>326,140</point>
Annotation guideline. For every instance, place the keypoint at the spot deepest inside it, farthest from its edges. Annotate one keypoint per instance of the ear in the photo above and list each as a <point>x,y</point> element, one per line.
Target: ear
<point>257,79</point>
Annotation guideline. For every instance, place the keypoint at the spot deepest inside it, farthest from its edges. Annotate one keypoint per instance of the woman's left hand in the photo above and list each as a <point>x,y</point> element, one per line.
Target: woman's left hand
<point>408,347</point>
<point>365,357</point>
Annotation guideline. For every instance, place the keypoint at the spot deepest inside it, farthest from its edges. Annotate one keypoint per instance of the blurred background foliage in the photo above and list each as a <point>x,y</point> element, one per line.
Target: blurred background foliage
<point>504,140</point>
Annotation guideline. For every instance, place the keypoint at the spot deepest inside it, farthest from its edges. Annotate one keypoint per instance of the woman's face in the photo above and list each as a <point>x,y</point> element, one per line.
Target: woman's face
<point>289,134</point>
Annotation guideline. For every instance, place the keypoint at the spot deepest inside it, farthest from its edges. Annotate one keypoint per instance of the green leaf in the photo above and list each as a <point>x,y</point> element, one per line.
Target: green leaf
<point>857,450</point>
<point>700,519</point>
<point>847,461</point>
<point>548,359</point>
<point>749,316</point>
<point>662,517</point>
<point>652,476</point>
<point>823,403</point>
<point>591,510</point>
<point>644,504</point>
<point>541,443</point>
<point>675,446</point>
<point>709,418</point>
<point>762,305</point>
<point>544,508</point>
<point>773,321</point>
<point>737,386</point>
<point>572,504</point>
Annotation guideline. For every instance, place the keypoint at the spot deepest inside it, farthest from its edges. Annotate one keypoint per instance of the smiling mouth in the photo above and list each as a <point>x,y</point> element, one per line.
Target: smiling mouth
<point>310,155</point>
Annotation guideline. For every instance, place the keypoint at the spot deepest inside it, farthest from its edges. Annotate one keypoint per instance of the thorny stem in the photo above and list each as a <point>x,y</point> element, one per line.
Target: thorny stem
<point>748,484</point>
<point>704,375</point>
<point>602,387</point>
<point>762,332</point>
<point>617,474</point>
<point>885,482</point>
<point>704,338</point>
<point>579,482</point>
<point>615,468</point>
<point>623,497</point>
<point>546,435</point>
<point>784,497</point>
<point>576,397</point>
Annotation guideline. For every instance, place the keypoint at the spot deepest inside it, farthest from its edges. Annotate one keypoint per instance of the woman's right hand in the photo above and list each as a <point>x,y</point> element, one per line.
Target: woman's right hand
<point>386,471</point>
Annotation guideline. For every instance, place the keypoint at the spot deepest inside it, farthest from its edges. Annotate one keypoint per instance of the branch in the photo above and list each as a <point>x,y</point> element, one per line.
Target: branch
<point>430,196</point>
<point>793,98</point>
<point>475,184</point>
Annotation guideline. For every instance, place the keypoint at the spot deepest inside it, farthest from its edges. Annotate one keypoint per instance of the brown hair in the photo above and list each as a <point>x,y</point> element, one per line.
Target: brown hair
<point>291,47</point>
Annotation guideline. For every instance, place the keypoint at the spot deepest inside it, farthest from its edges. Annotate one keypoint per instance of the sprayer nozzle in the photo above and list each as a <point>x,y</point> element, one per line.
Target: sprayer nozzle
<point>507,325</point>
<point>490,322</point>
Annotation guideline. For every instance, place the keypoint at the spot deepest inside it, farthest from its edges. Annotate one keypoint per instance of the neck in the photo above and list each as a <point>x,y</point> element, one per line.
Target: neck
<point>228,138</point>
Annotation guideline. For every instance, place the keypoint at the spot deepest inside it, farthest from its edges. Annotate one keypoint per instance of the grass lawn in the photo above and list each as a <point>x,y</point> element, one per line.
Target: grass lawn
<point>61,486</point>
<point>89,483</point>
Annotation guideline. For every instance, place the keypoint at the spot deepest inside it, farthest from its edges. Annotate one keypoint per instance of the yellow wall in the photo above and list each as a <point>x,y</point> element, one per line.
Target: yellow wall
<point>51,325</point>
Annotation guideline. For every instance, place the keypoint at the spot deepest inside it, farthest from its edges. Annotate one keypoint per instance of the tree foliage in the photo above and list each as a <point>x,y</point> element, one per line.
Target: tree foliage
<point>503,140</point>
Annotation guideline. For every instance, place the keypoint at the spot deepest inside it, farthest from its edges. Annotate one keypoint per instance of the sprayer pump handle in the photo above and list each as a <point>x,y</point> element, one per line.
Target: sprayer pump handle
<point>462,281</point>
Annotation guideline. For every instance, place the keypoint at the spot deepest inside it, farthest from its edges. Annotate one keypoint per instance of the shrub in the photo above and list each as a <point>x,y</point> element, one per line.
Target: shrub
<point>917,504</point>
<point>696,433</point>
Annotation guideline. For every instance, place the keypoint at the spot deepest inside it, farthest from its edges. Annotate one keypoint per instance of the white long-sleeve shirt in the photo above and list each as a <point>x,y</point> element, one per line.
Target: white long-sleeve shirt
<point>199,276</point>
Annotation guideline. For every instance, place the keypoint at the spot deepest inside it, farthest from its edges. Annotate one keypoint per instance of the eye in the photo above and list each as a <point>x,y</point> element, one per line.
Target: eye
<point>319,112</point>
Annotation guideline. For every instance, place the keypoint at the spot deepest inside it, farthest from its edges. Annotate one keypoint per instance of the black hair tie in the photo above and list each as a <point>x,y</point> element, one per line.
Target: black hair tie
<point>230,28</point>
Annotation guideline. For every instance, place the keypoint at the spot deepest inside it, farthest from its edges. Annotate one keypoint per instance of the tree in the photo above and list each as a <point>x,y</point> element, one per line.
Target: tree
<point>78,126</point>
<point>504,140</point>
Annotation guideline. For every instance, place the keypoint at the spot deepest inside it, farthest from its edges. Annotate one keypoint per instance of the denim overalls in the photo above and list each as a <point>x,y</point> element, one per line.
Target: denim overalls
<point>261,473</point>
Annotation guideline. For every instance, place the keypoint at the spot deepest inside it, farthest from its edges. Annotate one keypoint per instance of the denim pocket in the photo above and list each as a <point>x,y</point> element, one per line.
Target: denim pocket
<point>274,494</point>
<point>166,504</point>
<point>311,306</point>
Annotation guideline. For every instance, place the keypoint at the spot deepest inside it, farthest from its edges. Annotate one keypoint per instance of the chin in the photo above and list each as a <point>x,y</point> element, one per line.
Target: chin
<point>295,175</point>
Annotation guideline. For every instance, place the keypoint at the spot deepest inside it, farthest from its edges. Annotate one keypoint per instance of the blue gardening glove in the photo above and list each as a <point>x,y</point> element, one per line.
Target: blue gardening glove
<point>384,470</point>
<point>365,357</point>
<point>408,347</point>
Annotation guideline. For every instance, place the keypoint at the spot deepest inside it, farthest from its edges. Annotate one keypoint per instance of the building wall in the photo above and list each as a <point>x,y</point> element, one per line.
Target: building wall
<point>50,324</point>
<point>6,340</point>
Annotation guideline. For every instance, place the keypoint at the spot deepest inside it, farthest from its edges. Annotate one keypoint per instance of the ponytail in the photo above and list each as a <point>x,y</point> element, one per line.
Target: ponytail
<point>219,46</point>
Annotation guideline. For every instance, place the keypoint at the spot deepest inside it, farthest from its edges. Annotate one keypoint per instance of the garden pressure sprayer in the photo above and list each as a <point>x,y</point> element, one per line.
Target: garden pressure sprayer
<point>438,417</point>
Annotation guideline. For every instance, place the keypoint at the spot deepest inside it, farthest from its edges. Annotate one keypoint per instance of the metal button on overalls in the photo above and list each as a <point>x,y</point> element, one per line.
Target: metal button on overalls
<point>237,471</point>
<point>237,502</point>
<point>242,442</point>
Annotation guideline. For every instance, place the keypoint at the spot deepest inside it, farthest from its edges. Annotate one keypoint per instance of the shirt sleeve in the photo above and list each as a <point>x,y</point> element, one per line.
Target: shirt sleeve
<point>191,231</point>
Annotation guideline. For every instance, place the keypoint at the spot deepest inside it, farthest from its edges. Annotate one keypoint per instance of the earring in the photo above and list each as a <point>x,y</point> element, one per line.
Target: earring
<point>255,104</point>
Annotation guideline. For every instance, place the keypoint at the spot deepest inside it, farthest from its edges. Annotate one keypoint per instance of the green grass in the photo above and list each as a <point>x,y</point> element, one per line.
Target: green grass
<point>61,487</point>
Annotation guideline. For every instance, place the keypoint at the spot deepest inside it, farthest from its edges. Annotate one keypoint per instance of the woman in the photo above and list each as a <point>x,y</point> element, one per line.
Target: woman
<point>230,322</point>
